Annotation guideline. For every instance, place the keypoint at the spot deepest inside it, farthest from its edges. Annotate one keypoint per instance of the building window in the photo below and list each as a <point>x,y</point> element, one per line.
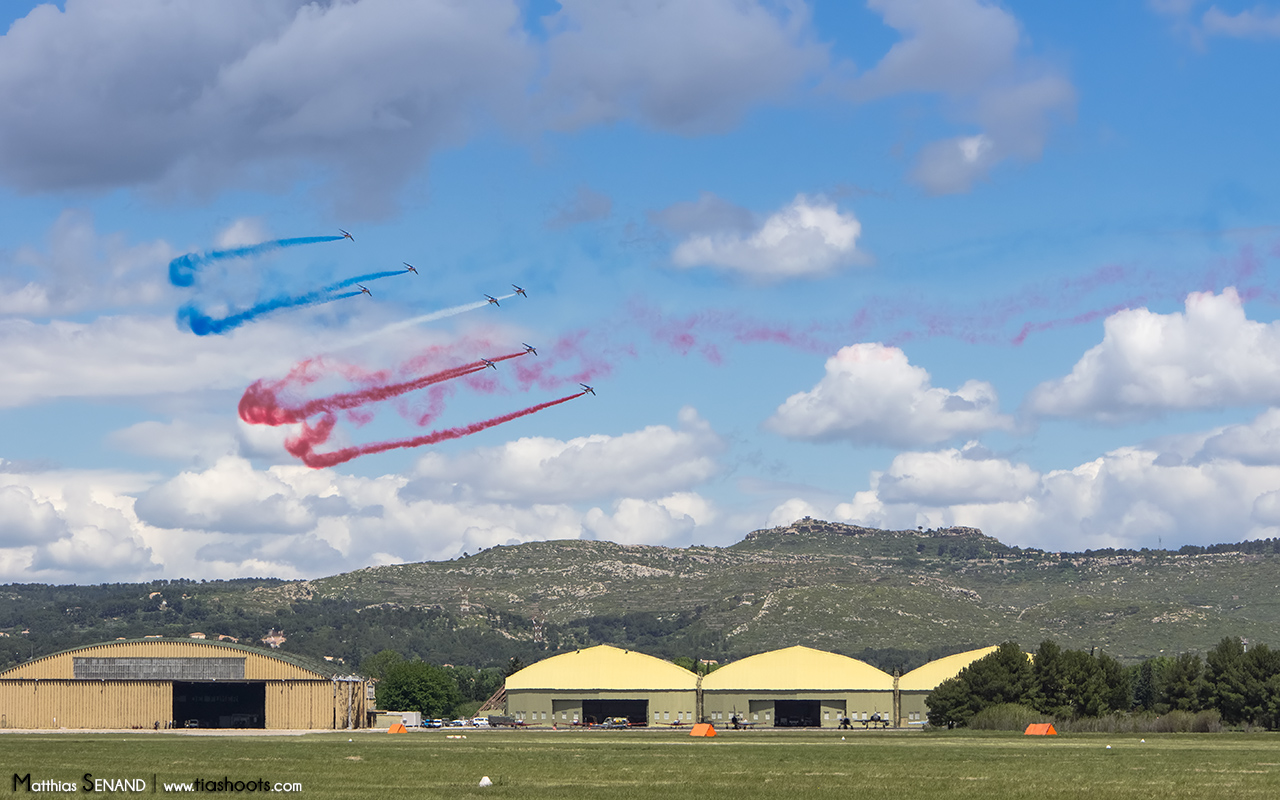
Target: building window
<point>564,715</point>
<point>666,715</point>
<point>544,715</point>
<point>755,715</point>
<point>826,715</point>
<point>655,716</point>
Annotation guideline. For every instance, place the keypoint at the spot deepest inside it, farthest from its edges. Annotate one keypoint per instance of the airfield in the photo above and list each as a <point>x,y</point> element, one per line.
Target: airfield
<point>667,763</point>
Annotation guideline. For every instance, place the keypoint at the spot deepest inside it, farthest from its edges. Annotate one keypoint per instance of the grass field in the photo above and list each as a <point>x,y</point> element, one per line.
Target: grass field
<point>653,764</point>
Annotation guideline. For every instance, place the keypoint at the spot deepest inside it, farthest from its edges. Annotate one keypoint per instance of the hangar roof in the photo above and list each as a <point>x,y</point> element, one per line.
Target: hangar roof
<point>927,678</point>
<point>798,668</point>
<point>603,668</point>
<point>258,664</point>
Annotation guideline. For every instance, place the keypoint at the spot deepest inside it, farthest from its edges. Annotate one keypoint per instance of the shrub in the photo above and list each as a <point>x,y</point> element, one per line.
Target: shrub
<point>1006,717</point>
<point>1209,721</point>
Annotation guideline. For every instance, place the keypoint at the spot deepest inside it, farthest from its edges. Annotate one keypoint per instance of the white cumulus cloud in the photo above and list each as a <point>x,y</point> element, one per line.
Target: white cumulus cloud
<point>871,394</point>
<point>1130,497</point>
<point>809,237</point>
<point>645,464</point>
<point>969,52</point>
<point>1208,356</point>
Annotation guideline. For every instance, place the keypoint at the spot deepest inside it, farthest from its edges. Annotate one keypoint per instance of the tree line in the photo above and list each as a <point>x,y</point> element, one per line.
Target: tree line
<point>1237,681</point>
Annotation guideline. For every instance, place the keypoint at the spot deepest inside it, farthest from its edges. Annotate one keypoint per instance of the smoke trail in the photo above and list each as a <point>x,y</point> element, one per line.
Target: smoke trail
<point>183,269</point>
<point>202,324</point>
<point>302,446</point>
<point>260,406</point>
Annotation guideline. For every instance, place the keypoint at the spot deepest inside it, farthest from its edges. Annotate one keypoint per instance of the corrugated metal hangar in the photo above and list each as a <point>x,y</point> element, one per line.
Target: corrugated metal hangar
<point>600,682</point>
<point>161,683</point>
<point>791,687</point>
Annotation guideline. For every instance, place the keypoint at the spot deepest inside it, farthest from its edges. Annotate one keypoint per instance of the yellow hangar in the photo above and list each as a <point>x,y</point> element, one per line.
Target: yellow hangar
<point>162,683</point>
<point>597,683</point>
<point>797,687</point>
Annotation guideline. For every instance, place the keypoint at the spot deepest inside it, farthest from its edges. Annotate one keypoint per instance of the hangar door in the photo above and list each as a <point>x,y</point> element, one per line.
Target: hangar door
<point>220,704</point>
<point>796,713</point>
<point>636,711</point>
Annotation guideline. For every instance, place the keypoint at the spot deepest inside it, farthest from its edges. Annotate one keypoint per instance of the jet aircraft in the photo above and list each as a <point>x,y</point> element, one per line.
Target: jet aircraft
<point>528,348</point>
<point>409,267</point>
<point>346,235</point>
<point>519,291</point>
<point>587,388</point>
<point>366,291</point>
<point>493,300</point>
<point>489,363</point>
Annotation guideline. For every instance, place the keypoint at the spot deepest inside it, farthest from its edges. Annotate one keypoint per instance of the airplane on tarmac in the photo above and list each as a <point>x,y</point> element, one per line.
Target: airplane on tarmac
<point>519,291</point>
<point>409,267</point>
<point>366,291</point>
<point>346,235</point>
<point>587,389</point>
<point>528,348</point>
<point>489,363</point>
<point>493,300</point>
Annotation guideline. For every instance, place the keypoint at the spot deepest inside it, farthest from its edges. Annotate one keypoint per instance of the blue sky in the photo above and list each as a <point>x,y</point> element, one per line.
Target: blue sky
<point>908,263</point>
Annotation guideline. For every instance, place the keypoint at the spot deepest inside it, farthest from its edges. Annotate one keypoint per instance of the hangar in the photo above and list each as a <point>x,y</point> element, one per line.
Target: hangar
<point>595,683</point>
<point>177,682</point>
<point>916,684</point>
<point>797,687</point>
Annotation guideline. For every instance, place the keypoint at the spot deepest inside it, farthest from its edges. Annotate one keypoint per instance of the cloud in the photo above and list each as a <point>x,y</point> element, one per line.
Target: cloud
<point>643,464</point>
<point>968,51</point>
<point>586,206</point>
<point>81,270</point>
<point>201,95</point>
<point>229,497</point>
<point>193,98</point>
<point>1256,443</point>
<point>25,519</point>
<point>804,239</point>
<point>947,477</point>
<point>690,67</point>
<point>1255,23</point>
<point>871,395</point>
<point>1209,356</point>
<point>669,521</point>
<point>131,356</point>
<point>1130,497</point>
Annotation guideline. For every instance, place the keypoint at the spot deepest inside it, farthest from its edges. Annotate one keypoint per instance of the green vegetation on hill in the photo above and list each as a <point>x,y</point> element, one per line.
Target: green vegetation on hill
<point>894,598</point>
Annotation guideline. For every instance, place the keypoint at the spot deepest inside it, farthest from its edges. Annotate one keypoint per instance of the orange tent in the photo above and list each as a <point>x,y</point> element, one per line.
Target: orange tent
<point>398,728</point>
<point>1040,729</point>
<point>703,729</point>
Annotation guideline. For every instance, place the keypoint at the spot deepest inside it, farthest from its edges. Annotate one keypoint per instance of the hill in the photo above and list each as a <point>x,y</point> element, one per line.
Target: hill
<point>894,598</point>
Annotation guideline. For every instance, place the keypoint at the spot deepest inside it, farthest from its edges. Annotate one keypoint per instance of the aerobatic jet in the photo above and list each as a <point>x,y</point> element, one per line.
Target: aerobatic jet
<point>587,388</point>
<point>366,291</point>
<point>489,363</point>
<point>519,291</point>
<point>528,348</point>
<point>409,267</point>
<point>493,300</point>
<point>346,235</point>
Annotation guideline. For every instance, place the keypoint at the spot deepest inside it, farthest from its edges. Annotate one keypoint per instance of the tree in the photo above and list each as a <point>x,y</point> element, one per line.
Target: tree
<point>1003,676</point>
<point>948,704</point>
<point>1050,690</point>
<point>376,665</point>
<point>418,686</point>
<point>1226,680</point>
<point>1181,685</point>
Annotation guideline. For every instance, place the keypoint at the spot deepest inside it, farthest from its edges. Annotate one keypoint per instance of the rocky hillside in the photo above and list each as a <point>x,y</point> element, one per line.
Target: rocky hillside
<point>893,597</point>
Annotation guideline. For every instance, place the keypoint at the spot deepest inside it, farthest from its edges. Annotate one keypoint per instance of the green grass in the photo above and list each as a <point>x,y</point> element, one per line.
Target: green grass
<point>652,764</point>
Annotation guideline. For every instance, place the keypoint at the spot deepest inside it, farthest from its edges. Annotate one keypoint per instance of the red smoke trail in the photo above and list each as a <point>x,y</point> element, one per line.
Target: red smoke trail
<point>302,446</point>
<point>260,405</point>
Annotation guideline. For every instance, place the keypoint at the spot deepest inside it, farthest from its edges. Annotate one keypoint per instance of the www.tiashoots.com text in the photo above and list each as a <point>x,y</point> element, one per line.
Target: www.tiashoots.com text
<point>90,783</point>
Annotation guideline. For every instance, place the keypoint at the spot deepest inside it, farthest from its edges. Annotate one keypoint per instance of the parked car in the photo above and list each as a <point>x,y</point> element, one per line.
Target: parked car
<point>191,723</point>
<point>433,723</point>
<point>455,723</point>
<point>480,722</point>
<point>617,722</point>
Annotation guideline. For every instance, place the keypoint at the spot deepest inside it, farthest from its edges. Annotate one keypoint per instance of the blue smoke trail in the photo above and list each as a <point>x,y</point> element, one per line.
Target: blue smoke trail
<point>202,324</point>
<point>183,269</point>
